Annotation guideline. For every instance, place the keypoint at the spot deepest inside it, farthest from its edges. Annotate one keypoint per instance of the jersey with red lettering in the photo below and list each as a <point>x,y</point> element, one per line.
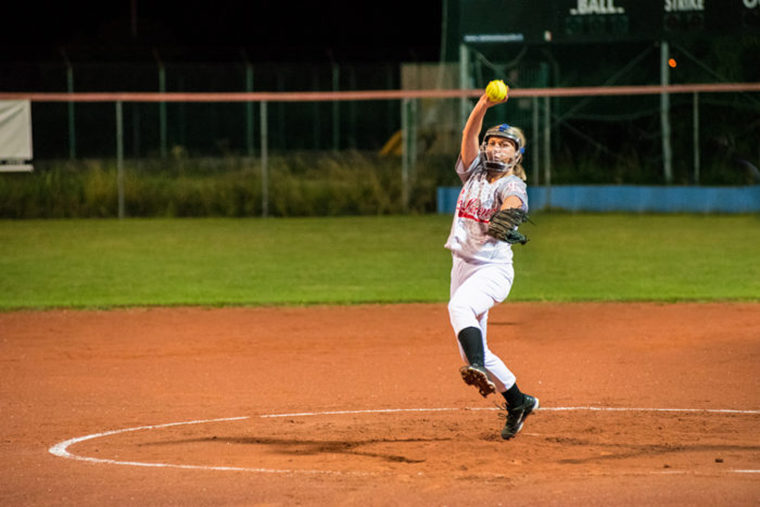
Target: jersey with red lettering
<point>477,202</point>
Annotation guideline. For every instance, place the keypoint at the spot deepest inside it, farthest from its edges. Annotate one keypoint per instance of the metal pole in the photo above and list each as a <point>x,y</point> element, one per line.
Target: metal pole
<point>72,124</point>
<point>547,150</point>
<point>464,66</point>
<point>352,85</point>
<point>413,124</point>
<point>335,108</point>
<point>120,158</point>
<point>249,110</point>
<point>667,155</point>
<point>405,135</point>
<point>161,105</point>
<point>391,104</point>
<point>696,138</point>
<point>264,161</point>
<point>162,108</point>
<point>534,149</point>
<point>316,127</point>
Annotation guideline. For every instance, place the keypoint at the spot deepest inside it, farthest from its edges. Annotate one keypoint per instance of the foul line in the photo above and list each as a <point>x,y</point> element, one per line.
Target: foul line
<point>61,449</point>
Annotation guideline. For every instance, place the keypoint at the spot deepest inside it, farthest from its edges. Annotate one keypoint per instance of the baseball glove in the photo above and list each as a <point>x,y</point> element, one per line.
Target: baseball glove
<point>503,225</point>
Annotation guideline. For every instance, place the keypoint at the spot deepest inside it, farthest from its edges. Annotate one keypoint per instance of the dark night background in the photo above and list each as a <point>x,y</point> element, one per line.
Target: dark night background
<point>201,46</point>
<point>266,31</point>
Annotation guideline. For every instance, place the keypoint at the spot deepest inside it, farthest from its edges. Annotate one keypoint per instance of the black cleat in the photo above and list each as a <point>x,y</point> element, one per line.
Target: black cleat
<point>477,376</point>
<point>516,416</point>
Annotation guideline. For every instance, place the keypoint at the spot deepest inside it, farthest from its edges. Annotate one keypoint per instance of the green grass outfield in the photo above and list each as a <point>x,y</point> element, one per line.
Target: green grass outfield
<point>571,257</point>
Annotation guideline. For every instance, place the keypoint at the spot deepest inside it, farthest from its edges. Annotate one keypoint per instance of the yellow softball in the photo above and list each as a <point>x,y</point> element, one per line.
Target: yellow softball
<point>497,90</point>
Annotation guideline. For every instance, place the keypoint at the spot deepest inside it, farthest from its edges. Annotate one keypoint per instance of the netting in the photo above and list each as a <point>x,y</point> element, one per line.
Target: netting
<point>292,153</point>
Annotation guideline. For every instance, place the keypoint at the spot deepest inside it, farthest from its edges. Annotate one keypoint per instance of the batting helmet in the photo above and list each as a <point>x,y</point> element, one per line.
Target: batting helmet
<point>504,131</point>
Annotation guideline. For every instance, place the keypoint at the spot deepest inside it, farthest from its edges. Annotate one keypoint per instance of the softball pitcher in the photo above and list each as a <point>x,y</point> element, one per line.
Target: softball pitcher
<point>492,203</point>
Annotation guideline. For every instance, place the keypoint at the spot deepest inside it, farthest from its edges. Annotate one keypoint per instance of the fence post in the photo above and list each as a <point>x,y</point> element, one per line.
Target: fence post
<point>162,110</point>
<point>405,135</point>
<point>161,105</point>
<point>464,68</point>
<point>548,150</point>
<point>72,124</point>
<point>264,161</point>
<point>335,108</point>
<point>315,107</point>
<point>352,85</point>
<point>667,156</point>
<point>534,148</point>
<point>120,158</point>
<point>695,112</point>
<point>249,110</point>
<point>413,124</point>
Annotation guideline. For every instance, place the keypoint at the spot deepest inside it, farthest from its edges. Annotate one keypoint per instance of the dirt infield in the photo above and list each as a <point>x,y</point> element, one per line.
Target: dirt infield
<point>641,404</point>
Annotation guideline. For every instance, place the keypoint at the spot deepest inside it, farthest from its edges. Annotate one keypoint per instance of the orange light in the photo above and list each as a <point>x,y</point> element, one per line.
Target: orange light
<point>673,63</point>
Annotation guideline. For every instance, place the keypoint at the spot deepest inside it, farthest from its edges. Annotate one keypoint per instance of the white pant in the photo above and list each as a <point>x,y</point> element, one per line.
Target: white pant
<point>475,288</point>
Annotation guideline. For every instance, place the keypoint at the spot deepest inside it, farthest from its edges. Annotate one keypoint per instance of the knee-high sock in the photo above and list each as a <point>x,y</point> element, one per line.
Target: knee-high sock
<point>472,343</point>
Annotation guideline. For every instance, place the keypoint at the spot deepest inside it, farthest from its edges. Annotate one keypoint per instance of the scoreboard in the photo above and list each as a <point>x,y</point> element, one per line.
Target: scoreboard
<point>547,21</point>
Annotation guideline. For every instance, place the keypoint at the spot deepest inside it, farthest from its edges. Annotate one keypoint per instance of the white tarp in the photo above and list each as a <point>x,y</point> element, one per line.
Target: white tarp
<point>15,135</point>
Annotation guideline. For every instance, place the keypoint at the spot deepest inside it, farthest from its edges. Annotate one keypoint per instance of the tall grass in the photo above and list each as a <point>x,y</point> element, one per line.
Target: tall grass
<point>300,184</point>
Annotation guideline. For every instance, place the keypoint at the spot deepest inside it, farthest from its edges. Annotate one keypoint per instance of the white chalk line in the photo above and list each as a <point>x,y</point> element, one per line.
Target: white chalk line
<point>61,449</point>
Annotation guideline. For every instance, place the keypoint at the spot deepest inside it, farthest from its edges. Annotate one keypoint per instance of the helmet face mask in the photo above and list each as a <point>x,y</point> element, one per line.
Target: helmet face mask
<point>490,154</point>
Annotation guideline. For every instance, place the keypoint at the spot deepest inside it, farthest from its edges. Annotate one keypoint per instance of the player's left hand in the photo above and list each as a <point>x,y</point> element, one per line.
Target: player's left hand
<point>503,226</point>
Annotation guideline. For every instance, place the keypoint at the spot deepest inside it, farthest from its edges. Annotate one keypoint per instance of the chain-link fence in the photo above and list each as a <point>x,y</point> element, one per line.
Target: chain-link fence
<point>188,157</point>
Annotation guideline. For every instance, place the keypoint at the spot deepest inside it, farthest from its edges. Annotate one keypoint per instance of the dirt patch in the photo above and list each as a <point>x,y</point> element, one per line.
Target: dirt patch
<point>641,403</point>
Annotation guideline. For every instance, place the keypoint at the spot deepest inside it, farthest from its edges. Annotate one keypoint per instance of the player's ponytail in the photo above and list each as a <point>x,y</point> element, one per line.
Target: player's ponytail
<point>519,171</point>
